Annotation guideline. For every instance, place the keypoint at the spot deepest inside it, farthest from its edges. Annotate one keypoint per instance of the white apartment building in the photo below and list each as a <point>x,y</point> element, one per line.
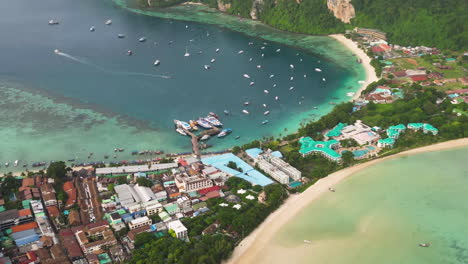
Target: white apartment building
<point>139,222</point>
<point>179,229</point>
<point>192,183</point>
<point>273,171</point>
<point>154,209</point>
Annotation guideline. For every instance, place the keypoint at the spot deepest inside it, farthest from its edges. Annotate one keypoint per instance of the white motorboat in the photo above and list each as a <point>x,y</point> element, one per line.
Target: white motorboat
<point>264,122</point>
<point>246,103</point>
<point>108,22</point>
<point>291,88</point>
<point>262,47</point>
<point>53,22</point>
<point>205,137</point>
<point>250,43</point>
<point>424,244</point>
<point>305,75</point>
<point>212,60</point>
<point>278,50</point>
<point>323,79</point>
<point>250,59</point>
<point>142,39</point>
<point>263,55</point>
<point>259,66</point>
<point>217,50</point>
<point>240,52</point>
<point>307,241</point>
<point>120,35</point>
<point>264,105</point>
<point>129,52</point>
<point>291,66</point>
<point>350,94</point>
<point>318,70</point>
<point>246,76</point>
<point>245,112</point>
<point>92,29</point>
<point>16,163</point>
<point>56,51</point>
<point>272,75</point>
<point>186,26</point>
<point>186,52</point>
<point>276,98</point>
<point>207,67</point>
<point>266,91</point>
<point>291,78</point>
<point>251,83</point>
<point>266,113</point>
<point>274,85</point>
<point>181,131</point>
<point>156,63</point>
<point>361,82</point>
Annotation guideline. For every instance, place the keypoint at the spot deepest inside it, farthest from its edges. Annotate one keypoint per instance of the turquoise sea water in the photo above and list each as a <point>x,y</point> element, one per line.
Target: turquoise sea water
<point>382,213</point>
<point>94,98</point>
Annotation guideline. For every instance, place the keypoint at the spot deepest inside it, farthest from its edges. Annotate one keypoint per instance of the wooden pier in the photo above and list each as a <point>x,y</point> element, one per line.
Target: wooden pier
<point>195,139</point>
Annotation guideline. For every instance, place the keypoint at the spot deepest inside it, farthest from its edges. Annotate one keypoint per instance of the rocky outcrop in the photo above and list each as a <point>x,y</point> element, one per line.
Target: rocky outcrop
<point>222,6</point>
<point>342,9</point>
<point>256,8</point>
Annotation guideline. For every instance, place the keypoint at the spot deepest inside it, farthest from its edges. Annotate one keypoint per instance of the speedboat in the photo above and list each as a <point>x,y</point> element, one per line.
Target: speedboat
<point>305,75</point>
<point>226,112</point>
<point>203,123</point>
<point>291,78</point>
<point>129,52</point>
<point>278,50</point>
<point>240,52</point>
<point>250,59</point>
<point>213,121</point>
<point>266,113</point>
<point>156,63</point>
<point>266,91</point>
<point>424,244</point>
<point>181,131</point>
<point>186,53</point>
<point>274,85</point>
<point>314,107</point>
<point>92,29</point>
<point>250,43</point>
<point>307,241</point>
<point>251,83</point>
<point>361,82</point>
<point>264,122</point>
<point>207,67</point>
<point>318,70</point>
<point>245,112</point>
<point>272,75</point>
<point>217,50</point>
<point>121,36</point>
<point>7,164</point>
<point>186,26</point>
<point>323,79</point>
<point>331,189</point>
<point>264,105</point>
<point>53,22</point>
<point>276,98</point>
<point>205,137</point>
<point>246,76</point>
<point>263,55</point>
<point>262,47</point>
<point>259,66</point>
<point>291,66</point>
<point>225,132</point>
<point>237,137</point>
<point>212,60</point>
<point>291,88</point>
<point>142,39</point>
<point>56,51</point>
<point>108,22</point>
<point>16,163</point>
<point>183,124</point>
<point>246,103</point>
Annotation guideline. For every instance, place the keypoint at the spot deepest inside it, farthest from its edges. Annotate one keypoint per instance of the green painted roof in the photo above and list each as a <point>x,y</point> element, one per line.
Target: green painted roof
<point>309,145</point>
<point>194,194</point>
<point>164,216</point>
<point>398,127</point>
<point>2,208</point>
<point>430,127</point>
<point>415,125</point>
<point>171,207</point>
<point>104,258</point>
<point>387,141</point>
<point>336,131</point>
<point>199,205</point>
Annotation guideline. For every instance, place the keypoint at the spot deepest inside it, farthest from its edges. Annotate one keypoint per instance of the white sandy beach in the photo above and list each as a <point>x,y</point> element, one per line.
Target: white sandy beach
<point>370,72</point>
<point>251,247</point>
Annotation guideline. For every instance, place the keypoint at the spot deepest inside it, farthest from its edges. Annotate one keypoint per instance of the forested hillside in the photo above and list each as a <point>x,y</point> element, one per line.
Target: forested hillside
<point>440,23</point>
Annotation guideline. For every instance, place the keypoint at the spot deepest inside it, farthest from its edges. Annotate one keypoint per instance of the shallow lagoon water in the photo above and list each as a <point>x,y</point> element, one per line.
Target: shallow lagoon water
<point>381,214</point>
<point>96,98</point>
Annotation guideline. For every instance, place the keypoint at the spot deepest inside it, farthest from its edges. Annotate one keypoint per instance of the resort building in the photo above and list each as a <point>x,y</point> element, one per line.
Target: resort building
<point>371,33</point>
<point>387,142</point>
<point>360,132</point>
<point>188,183</point>
<point>394,131</point>
<point>179,229</point>
<point>139,222</point>
<point>93,237</point>
<point>426,128</point>
<point>324,148</point>
<point>277,168</point>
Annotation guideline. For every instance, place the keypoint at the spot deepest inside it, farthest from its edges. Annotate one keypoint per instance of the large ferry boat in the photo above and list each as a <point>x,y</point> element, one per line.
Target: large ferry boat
<point>183,124</point>
<point>213,121</point>
<point>203,123</point>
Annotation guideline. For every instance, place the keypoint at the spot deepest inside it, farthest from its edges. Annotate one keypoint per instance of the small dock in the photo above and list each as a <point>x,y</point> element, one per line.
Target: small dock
<point>195,139</point>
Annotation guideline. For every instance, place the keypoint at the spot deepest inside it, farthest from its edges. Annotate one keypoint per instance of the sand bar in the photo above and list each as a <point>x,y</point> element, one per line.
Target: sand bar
<point>251,247</point>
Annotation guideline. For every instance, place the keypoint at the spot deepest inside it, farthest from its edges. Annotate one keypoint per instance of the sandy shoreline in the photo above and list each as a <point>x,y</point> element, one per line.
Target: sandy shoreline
<point>370,72</point>
<point>251,246</point>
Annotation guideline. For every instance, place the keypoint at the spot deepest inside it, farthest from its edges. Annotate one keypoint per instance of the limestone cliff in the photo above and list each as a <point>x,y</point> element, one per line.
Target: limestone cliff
<point>222,6</point>
<point>256,8</point>
<point>342,9</point>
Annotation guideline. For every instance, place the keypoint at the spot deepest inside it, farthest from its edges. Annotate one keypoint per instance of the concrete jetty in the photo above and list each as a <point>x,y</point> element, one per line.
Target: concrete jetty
<point>195,139</point>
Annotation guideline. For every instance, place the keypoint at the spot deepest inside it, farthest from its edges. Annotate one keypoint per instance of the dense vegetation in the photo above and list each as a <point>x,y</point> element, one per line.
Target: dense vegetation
<point>439,23</point>
<point>233,226</point>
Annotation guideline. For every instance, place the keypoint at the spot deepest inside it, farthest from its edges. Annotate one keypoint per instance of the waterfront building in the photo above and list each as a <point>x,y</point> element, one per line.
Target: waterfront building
<point>179,229</point>
<point>139,222</point>
<point>394,131</point>
<point>125,170</point>
<point>274,166</point>
<point>133,194</point>
<point>360,132</point>
<point>324,148</point>
<point>386,142</point>
<point>189,183</point>
<point>371,33</point>
<point>426,128</point>
<point>273,171</point>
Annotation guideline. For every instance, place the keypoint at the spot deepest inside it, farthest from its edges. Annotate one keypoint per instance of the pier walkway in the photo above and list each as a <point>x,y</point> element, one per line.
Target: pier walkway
<point>195,139</point>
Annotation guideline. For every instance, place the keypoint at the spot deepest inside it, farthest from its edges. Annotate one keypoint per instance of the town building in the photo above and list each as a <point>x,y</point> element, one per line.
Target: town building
<point>12,218</point>
<point>359,132</point>
<point>394,131</point>
<point>93,237</point>
<point>139,222</point>
<point>187,183</point>
<point>371,33</point>
<point>386,142</point>
<point>133,194</point>
<point>179,229</point>
<point>154,209</point>
<point>125,170</point>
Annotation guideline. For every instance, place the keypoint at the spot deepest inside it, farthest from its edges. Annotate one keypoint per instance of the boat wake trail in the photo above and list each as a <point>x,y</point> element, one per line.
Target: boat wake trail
<point>85,62</point>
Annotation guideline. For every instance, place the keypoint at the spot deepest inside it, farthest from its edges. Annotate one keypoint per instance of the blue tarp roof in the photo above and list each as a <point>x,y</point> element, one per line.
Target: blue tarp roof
<point>277,154</point>
<point>253,152</point>
<point>23,234</point>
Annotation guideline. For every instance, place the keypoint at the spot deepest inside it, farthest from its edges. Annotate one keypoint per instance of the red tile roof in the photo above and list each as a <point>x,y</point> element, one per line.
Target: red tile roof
<point>23,227</point>
<point>207,190</point>
<point>419,78</point>
<point>385,47</point>
<point>183,163</point>
<point>400,73</point>
<point>68,186</point>
<point>212,194</point>
<point>377,49</point>
<point>53,211</point>
<point>28,182</point>
<point>24,212</point>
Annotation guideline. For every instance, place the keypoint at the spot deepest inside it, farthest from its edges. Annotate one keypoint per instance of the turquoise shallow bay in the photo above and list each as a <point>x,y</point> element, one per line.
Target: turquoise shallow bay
<point>382,213</point>
<point>96,98</point>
